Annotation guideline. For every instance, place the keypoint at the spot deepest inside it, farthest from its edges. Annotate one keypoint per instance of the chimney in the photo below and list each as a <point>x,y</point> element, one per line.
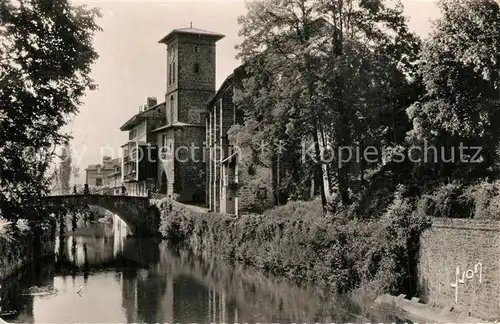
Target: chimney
<point>151,102</point>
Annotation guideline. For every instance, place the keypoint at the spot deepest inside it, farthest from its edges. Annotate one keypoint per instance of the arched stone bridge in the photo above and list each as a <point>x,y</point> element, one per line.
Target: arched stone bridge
<point>141,217</point>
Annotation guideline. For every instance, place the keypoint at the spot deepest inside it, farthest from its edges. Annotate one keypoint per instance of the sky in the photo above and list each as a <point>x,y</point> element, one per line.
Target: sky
<point>132,64</point>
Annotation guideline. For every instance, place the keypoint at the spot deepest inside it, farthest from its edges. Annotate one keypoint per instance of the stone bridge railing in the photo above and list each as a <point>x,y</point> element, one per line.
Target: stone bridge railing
<point>141,217</point>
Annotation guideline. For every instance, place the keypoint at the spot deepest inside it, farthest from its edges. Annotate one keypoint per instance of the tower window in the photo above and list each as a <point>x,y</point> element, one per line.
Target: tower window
<point>173,72</point>
<point>172,109</point>
<point>195,49</point>
<point>196,67</point>
<point>171,68</point>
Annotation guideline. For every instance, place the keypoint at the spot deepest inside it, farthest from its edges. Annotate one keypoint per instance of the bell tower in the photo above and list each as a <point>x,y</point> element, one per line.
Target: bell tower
<point>190,85</point>
<point>190,73</point>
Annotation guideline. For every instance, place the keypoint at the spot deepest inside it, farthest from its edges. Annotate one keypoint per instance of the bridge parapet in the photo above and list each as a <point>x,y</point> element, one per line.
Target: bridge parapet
<point>142,218</point>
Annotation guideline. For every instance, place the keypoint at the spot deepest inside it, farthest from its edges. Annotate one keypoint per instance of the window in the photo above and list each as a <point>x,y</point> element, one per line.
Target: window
<point>196,67</point>
<point>171,68</point>
<point>170,73</point>
<point>172,108</point>
<point>98,182</point>
<point>163,148</point>
<point>195,49</point>
<point>262,193</point>
<point>203,117</point>
<point>173,72</point>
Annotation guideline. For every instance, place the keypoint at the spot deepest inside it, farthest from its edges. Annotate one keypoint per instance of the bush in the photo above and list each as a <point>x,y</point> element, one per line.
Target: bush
<point>338,250</point>
<point>483,199</point>
<point>298,241</point>
<point>479,200</point>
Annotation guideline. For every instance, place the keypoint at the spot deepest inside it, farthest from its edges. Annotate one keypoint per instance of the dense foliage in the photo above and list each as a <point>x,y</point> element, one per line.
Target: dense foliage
<point>295,240</point>
<point>46,53</point>
<point>337,73</point>
<point>349,75</point>
<point>460,66</point>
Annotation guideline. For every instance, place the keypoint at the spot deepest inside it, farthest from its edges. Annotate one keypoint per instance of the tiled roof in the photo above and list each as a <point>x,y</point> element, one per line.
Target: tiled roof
<point>176,124</point>
<point>240,70</point>
<point>139,117</point>
<point>192,31</point>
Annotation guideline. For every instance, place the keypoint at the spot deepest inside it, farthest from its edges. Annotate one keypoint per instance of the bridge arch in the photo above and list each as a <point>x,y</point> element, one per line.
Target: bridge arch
<point>140,216</point>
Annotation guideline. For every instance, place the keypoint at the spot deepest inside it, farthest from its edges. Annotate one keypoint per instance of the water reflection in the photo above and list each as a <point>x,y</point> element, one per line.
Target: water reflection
<point>131,280</point>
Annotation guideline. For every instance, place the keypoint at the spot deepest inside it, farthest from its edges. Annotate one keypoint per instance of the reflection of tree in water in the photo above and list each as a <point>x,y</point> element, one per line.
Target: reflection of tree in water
<point>161,285</point>
<point>129,296</point>
<point>143,289</point>
<point>86,267</point>
<point>61,256</point>
<point>80,255</point>
<point>150,291</point>
<point>73,258</point>
<point>234,292</point>
<point>73,247</point>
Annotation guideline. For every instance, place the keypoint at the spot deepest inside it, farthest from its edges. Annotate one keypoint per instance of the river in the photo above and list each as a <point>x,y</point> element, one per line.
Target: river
<point>109,278</point>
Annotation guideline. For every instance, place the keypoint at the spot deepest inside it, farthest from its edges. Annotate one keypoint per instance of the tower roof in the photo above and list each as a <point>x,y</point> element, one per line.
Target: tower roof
<point>192,31</point>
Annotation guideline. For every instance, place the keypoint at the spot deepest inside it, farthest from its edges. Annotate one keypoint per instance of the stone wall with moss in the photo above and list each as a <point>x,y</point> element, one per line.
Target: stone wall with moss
<point>255,173</point>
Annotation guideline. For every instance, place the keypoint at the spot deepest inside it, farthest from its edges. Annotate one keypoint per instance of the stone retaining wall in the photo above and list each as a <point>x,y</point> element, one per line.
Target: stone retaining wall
<point>459,266</point>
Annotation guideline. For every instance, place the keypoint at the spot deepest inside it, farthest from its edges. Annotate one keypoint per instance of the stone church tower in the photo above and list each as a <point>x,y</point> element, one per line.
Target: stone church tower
<point>191,74</point>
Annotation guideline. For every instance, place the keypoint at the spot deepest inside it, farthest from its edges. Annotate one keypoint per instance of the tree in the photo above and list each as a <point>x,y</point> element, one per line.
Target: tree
<point>329,72</point>
<point>65,168</point>
<point>460,68</point>
<point>46,53</point>
<point>74,223</point>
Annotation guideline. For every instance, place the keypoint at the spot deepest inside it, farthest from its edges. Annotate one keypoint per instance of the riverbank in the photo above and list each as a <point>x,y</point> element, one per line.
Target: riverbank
<point>23,250</point>
<point>298,241</point>
<point>417,312</point>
